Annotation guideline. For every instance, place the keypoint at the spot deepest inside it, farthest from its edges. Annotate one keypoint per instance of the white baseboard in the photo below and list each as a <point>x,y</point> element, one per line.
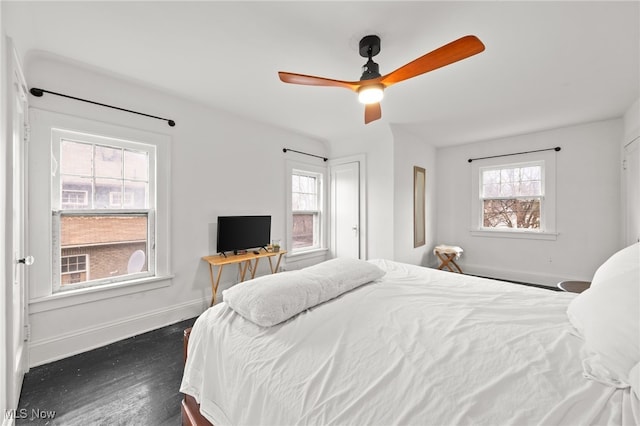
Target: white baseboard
<point>549,280</point>
<point>54,348</point>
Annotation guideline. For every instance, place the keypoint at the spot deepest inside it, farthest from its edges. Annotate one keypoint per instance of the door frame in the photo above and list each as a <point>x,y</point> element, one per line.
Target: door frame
<point>362,180</point>
<point>16,362</point>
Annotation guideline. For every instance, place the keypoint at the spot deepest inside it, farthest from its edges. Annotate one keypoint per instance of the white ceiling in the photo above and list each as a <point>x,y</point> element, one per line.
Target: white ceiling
<point>546,64</point>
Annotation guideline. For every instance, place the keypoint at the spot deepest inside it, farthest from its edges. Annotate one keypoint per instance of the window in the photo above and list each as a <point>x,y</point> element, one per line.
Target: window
<point>305,203</point>
<point>73,269</point>
<point>306,200</point>
<point>512,196</point>
<point>103,210</point>
<point>74,199</point>
<point>514,200</point>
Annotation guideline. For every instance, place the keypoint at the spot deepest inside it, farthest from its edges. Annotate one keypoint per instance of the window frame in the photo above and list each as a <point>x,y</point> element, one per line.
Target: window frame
<point>321,173</point>
<point>43,167</point>
<point>547,229</point>
<point>58,136</point>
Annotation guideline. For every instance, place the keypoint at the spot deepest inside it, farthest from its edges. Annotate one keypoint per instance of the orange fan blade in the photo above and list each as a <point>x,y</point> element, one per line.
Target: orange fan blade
<point>445,55</point>
<point>372,112</point>
<point>310,80</point>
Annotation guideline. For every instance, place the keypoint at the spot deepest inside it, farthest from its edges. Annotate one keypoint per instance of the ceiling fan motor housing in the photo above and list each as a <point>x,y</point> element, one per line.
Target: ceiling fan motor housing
<point>370,47</point>
<point>370,71</point>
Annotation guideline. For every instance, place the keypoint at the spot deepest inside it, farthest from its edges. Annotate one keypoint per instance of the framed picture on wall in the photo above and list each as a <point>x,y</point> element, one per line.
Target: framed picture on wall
<point>419,180</point>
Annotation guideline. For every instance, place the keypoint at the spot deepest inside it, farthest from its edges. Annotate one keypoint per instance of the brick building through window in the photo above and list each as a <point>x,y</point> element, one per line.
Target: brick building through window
<point>101,246</point>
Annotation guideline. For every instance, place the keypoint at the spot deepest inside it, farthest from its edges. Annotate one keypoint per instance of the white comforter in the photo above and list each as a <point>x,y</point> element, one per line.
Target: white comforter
<point>419,346</point>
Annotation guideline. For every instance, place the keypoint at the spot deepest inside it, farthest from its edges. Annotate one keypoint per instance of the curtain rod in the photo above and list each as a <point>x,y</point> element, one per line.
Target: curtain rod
<point>39,92</point>
<point>304,153</point>
<point>557,148</point>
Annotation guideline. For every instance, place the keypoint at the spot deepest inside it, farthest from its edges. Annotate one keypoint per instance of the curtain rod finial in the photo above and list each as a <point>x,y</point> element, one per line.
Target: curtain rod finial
<point>557,148</point>
<point>36,92</point>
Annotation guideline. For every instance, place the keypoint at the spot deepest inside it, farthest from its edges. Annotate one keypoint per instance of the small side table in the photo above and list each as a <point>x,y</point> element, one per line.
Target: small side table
<point>574,286</point>
<point>448,255</point>
<point>244,261</point>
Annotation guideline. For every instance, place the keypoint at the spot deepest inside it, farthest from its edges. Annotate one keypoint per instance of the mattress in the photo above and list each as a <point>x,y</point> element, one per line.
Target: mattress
<point>416,347</point>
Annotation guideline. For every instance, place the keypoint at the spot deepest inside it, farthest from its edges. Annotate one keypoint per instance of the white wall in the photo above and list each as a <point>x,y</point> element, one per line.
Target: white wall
<point>376,143</point>
<point>221,164</point>
<point>410,151</point>
<point>630,187</point>
<point>588,199</point>
<point>632,122</point>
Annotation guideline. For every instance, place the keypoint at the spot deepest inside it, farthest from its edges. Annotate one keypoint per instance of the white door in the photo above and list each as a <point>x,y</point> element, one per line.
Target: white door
<point>16,335</point>
<point>632,184</point>
<point>345,209</point>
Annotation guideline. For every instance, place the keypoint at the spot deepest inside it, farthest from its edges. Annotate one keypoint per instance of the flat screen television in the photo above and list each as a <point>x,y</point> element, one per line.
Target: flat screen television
<point>237,233</point>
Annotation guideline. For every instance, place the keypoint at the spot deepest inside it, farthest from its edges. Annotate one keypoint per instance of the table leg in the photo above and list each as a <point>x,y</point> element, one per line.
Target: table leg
<point>446,259</point>
<point>243,269</point>
<point>456,265</point>
<point>253,267</point>
<point>214,282</point>
<point>273,271</point>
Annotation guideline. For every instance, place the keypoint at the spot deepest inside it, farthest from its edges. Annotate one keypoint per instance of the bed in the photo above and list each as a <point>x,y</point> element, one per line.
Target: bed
<point>416,346</point>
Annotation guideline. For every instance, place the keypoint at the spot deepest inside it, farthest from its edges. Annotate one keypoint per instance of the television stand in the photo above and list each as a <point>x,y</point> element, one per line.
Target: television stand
<point>247,261</point>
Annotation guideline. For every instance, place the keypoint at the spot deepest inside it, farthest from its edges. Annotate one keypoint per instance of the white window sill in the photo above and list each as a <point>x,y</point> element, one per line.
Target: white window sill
<point>307,254</point>
<point>515,234</point>
<point>64,299</point>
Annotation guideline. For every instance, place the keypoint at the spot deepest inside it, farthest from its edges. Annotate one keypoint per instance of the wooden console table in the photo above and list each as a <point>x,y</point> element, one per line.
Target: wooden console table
<point>248,261</point>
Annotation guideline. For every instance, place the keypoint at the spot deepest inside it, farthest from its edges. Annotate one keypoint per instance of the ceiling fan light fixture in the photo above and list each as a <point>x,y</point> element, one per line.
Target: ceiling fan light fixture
<point>371,94</point>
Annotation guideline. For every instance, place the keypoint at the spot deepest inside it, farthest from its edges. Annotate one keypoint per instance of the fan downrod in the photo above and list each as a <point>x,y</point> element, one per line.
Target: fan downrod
<point>369,46</point>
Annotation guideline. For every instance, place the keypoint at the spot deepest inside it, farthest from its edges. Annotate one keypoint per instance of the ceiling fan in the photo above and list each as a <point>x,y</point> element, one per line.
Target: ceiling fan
<point>370,87</point>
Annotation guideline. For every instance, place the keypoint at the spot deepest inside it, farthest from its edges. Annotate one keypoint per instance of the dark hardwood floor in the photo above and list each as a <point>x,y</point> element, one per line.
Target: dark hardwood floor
<point>135,381</point>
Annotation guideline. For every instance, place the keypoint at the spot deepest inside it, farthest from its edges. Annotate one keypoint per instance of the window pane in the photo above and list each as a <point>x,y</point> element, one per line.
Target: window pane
<point>304,192</point>
<point>136,165</point>
<point>75,158</point>
<point>512,182</point>
<point>76,192</point>
<point>508,189</point>
<point>135,194</point>
<point>304,202</point>
<point>531,173</point>
<point>528,188</point>
<point>108,193</point>
<point>491,176</point>
<point>512,213</point>
<point>102,246</point>
<point>491,190</point>
<point>304,226</point>
<point>108,162</point>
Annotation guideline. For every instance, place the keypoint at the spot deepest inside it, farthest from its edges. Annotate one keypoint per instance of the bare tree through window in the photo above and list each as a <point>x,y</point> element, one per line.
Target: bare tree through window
<point>512,196</point>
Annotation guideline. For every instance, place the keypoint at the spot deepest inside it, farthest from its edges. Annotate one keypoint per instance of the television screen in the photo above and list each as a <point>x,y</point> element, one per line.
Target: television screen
<point>243,232</point>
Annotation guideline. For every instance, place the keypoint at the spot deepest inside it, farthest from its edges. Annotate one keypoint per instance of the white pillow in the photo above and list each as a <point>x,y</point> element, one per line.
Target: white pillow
<point>607,315</point>
<point>272,299</point>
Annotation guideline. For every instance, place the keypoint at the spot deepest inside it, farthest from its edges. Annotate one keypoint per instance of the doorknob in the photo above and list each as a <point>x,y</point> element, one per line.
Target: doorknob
<point>27,260</point>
